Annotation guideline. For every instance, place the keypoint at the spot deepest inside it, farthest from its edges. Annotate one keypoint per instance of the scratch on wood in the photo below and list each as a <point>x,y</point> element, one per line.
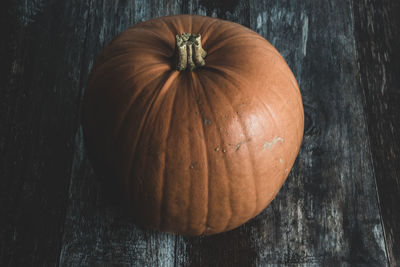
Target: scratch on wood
<point>304,36</point>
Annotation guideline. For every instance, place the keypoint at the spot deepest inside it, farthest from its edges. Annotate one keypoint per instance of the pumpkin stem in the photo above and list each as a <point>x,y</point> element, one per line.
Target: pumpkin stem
<point>190,54</point>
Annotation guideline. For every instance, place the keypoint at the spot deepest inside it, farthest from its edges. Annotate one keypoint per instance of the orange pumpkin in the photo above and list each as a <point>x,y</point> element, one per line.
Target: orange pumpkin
<point>196,120</point>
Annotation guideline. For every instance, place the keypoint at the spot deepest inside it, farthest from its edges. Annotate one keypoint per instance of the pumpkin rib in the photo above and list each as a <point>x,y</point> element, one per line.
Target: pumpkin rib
<point>250,47</point>
<point>136,76</point>
<point>299,104</point>
<point>269,111</point>
<point>167,84</point>
<point>168,27</point>
<point>141,127</point>
<point>178,26</point>
<point>203,31</point>
<point>130,105</point>
<point>290,111</point>
<point>162,172</point>
<point>253,177</point>
<point>220,44</point>
<point>283,101</point>
<point>259,99</point>
<point>300,125</point>
<point>136,46</point>
<point>125,44</point>
<point>101,72</point>
<point>232,68</point>
<point>146,139</point>
<point>207,32</point>
<point>191,160</point>
<point>155,32</point>
<point>204,90</point>
<point>102,68</point>
<point>231,191</point>
<point>206,156</point>
<point>113,138</point>
<point>272,115</point>
<point>245,133</point>
<point>228,29</point>
<point>172,28</point>
<point>293,82</point>
<point>231,42</point>
<point>127,47</point>
<point>273,120</point>
<point>128,178</point>
<point>240,46</point>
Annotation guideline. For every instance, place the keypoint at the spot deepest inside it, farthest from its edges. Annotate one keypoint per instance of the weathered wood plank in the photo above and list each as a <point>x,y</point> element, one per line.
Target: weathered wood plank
<point>41,49</point>
<point>377,26</point>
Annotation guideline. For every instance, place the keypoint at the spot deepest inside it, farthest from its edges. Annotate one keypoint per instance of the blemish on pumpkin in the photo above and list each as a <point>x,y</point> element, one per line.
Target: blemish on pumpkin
<point>206,122</point>
<point>281,160</point>
<point>223,150</point>
<point>199,133</point>
<point>270,145</point>
<point>286,170</point>
<point>238,145</point>
<point>216,149</point>
<point>193,165</point>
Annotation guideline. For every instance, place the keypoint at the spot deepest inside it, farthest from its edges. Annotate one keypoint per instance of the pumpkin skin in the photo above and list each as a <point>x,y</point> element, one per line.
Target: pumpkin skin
<point>192,152</point>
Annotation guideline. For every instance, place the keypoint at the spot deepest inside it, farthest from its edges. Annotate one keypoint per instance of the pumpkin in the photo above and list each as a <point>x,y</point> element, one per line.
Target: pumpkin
<point>196,121</point>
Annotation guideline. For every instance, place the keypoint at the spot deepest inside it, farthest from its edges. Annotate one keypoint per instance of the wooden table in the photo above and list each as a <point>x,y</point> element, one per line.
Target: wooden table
<point>340,205</point>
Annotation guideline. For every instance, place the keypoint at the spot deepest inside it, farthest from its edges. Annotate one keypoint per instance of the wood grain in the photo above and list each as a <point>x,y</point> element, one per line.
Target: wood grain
<point>40,92</point>
<point>54,211</point>
<point>377,38</point>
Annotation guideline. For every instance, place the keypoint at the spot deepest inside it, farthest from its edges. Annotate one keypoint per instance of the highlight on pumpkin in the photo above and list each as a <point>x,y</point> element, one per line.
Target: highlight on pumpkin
<point>190,53</point>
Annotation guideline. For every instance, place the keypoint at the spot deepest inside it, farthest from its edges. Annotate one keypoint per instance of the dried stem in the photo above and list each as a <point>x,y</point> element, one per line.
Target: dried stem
<point>190,53</point>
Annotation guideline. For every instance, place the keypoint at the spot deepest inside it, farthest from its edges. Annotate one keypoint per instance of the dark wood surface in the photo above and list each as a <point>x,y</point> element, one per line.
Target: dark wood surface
<point>377,31</point>
<point>339,206</point>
